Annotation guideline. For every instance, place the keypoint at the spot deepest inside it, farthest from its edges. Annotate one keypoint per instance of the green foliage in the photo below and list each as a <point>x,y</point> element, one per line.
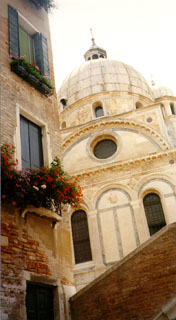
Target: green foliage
<point>31,68</point>
<point>46,4</point>
<point>45,187</point>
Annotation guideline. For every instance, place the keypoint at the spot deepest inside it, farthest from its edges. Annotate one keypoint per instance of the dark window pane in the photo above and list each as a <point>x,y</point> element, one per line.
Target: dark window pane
<point>105,149</point>
<point>154,212</point>
<point>39,302</point>
<point>95,56</point>
<point>80,234</point>
<point>99,112</point>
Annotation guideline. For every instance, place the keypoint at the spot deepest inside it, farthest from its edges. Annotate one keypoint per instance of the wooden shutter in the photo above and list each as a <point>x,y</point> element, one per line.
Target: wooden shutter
<point>31,144</point>
<point>25,151</point>
<point>41,53</point>
<point>13,32</point>
<point>35,140</point>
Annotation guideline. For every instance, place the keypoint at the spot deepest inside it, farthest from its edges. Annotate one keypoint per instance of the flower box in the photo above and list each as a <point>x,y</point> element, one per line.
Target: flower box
<point>33,77</point>
<point>20,70</point>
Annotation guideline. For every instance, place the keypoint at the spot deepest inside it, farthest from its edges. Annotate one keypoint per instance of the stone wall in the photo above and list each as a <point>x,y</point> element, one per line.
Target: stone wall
<point>135,288</point>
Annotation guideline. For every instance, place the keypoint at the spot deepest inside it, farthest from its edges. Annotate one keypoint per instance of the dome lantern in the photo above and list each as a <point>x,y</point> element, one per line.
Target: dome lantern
<point>94,52</point>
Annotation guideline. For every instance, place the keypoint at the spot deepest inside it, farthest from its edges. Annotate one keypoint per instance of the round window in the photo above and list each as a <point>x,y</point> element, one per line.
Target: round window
<point>104,149</point>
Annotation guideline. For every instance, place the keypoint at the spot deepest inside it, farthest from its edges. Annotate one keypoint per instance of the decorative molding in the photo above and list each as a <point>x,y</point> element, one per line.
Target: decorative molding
<point>126,164</point>
<point>102,124</point>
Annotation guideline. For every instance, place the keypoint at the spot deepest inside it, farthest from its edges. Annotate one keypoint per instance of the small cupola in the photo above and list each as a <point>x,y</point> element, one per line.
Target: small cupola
<point>95,52</point>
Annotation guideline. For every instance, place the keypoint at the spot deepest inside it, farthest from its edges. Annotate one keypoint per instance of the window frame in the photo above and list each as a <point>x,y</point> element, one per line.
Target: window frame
<point>77,262</point>
<point>47,157</point>
<point>16,19</point>
<point>151,192</point>
<point>31,137</point>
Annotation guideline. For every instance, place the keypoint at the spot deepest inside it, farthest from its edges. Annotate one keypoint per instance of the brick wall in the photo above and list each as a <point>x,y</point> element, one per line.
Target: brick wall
<point>16,92</point>
<point>26,256</point>
<point>135,288</point>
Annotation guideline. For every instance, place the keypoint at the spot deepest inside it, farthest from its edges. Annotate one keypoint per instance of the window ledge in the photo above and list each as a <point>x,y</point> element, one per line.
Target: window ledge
<point>41,212</point>
<point>30,78</point>
<point>84,266</point>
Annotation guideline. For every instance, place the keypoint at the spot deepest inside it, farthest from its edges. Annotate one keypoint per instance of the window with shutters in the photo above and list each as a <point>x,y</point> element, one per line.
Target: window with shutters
<point>31,144</point>
<point>80,235</point>
<point>26,40</point>
<point>154,212</point>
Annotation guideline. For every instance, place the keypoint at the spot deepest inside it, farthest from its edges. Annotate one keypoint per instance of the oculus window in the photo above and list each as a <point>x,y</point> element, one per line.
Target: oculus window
<point>104,149</point>
<point>154,212</point>
<point>80,235</point>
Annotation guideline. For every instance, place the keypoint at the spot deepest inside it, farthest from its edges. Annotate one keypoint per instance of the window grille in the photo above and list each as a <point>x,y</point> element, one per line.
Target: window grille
<point>154,212</point>
<point>80,235</point>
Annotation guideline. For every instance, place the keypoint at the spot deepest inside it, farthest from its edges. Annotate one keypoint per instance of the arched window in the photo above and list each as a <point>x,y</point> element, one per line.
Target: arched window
<point>138,105</point>
<point>154,212</point>
<point>99,112</point>
<point>80,235</point>
<point>95,56</point>
<point>172,108</point>
<point>64,102</point>
<point>63,126</point>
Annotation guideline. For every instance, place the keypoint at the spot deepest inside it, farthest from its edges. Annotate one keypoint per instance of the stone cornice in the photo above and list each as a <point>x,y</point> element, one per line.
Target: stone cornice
<point>126,164</point>
<point>102,124</point>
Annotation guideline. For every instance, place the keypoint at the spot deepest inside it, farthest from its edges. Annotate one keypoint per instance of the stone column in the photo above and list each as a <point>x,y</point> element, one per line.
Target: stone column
<point>141,223</point>
<point>94,238</point>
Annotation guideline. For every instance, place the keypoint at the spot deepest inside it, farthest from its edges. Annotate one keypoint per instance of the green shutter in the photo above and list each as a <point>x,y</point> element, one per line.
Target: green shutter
<point>13,32</point>
<point>35,141</point>
<point>25,151</point>
<point>41,53</point>
<point>31,144</point>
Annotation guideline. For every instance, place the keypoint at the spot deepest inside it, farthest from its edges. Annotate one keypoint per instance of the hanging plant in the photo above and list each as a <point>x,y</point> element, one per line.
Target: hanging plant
<point>47,187</point>
<point>46,4</point>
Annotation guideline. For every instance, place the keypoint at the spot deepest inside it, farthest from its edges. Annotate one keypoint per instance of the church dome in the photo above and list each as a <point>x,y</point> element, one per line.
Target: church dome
<point>102,75</point>
<point>161,91</point>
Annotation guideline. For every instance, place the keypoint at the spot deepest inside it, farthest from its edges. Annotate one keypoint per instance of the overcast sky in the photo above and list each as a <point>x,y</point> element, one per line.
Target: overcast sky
<point>141,33</point>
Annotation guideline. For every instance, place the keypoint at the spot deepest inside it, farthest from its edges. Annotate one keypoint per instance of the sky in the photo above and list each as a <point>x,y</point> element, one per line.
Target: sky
<point>140,33</point>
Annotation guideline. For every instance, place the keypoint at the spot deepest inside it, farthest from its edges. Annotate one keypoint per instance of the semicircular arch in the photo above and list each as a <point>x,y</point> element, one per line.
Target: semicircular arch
<point>111,188</point>
<point>87,129</point>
